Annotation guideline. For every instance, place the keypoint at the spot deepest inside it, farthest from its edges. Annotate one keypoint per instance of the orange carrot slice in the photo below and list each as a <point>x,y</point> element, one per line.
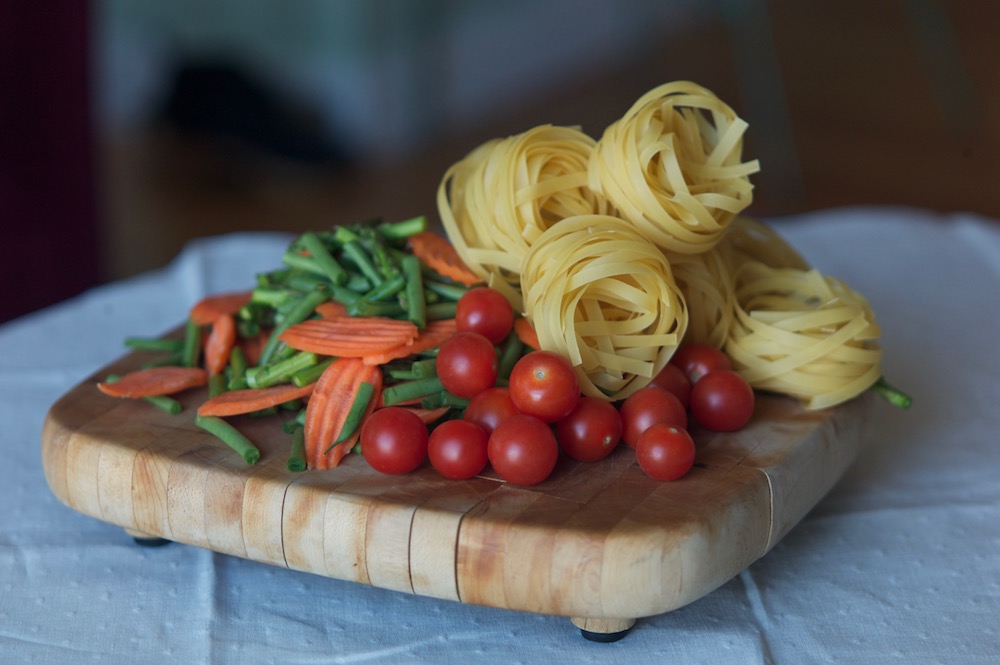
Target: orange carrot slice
<point>349,337</point>
<point>433,335</point>
<point>219,344</point>
<point>208,309</point>
<point>428,416</point>
<point>155,381</point>
<point>248,400</point>
<point>331,309</point>
<point>329,406</point>
<point>437,253</point>
<point>526,333</point>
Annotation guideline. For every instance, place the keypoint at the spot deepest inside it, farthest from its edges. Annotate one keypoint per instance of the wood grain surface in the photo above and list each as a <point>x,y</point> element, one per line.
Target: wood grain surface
<point>601,543</point>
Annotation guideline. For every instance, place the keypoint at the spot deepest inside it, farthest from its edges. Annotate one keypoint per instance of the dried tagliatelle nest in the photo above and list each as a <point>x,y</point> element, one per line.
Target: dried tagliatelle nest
<point>672,165</point>
<point>603,296</point>
<point>497,201</point>
<point>800,333</point>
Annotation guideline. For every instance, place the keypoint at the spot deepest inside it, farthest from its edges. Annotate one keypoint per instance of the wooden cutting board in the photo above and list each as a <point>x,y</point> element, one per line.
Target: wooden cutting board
<point>601,543</point>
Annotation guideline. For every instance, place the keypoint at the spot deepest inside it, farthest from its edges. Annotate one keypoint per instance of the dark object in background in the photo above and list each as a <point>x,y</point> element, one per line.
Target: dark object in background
<point>48,222</point>
<point>220,100</point>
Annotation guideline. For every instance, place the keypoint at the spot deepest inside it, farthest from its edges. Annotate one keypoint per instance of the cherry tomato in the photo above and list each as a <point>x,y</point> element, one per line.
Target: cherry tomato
<point>457,449</point>
<point>523,450</point>
<point>467,364</point>
<point>394,440</point>
<point>489,408</point>
<point>665,452</point>
<point>543,384</point>
<point>697,360</point>
<point>485,311</point>
<point>673,379</point>
<point>647,407</point>
<point>591,431</point>
<point>722,401</point>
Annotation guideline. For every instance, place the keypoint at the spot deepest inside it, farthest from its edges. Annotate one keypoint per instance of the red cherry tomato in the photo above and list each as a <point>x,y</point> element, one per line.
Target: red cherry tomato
<point>489,408</point>
<point>457,449</point>
<point>665,452</point>
<point>523,450</point>
<point>543,384</point>
<point>485,311</point>
<point>697,360</point>
<point>673,379</point>
<point>591,431</point>
<point>647,407</point>
<point>467,364</point>
<point>722,401</point>
<point>394,440</point>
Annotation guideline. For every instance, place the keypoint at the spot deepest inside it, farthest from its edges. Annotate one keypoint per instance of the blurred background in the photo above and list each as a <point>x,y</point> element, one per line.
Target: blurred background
<point>130,127</point>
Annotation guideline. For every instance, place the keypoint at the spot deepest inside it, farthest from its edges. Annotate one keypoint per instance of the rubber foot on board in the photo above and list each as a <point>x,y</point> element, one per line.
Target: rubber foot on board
<point>150,542</point>
<point>603,630</point>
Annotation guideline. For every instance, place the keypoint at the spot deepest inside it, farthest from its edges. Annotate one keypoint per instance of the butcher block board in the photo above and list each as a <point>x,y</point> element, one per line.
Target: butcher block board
<point>601,543</point>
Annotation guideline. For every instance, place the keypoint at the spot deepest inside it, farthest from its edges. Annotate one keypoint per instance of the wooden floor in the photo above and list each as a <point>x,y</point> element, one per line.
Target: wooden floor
<point>850,102</point>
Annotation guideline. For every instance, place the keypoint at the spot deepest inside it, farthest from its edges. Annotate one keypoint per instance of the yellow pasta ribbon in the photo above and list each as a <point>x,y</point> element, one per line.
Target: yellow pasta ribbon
<point>603,296</point>
<point>803,334</point>
<point>672,166</point>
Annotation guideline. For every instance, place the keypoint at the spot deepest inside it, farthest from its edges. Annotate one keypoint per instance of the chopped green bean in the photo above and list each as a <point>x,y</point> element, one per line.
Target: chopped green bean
<point>893,395</point>
<point>217,385</point>
<point>416,308</point>
<point>424,368</point>
<point>230,436</point>
<point>192,344</point>
<point>302,310</point>
<point>387,289</point>
<point>264,376</point>
<point>407,390</point>
<point>297,455</point>
<point>310,374</point>
<point>446,291</point>
<point>154,344</point>
<point>355,414</point>
<point>441,310</point>
<point>356,254</point>
<point>324,260</point>
<point>165,361</point>
<point>272,297</point>
<point>402,229</point>
<point>237,369</point>
<point>510,353</point>
<point>366,308</point>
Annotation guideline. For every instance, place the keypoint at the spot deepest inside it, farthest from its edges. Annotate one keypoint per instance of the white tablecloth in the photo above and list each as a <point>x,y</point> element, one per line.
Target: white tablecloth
<point>900,562</point>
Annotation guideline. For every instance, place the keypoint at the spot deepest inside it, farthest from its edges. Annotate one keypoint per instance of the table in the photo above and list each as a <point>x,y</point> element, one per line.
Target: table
<point>900,562</point>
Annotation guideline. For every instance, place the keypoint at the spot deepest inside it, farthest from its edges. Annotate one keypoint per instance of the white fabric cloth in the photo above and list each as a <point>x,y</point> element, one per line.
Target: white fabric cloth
<point>899,563</point>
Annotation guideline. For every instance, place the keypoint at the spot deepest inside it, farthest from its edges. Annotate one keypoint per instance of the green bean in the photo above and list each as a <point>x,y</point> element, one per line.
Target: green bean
<point>216,385</point>
<point>510,353</point>
<point>401,392</point>
<point>423,369</point>
<point>192,344</point>
<point>355,414</point>
<point>416,308</point>
<point>324,260</point>
<point>230,436</point>
<point>302,310</point>
<point>441,310</point>
<point>264,376</point>
<point>297,455</point>
<point>402,229</point>
<point>154,344</point>
<point>310,374</point>
<point>387,289</point>
<point>237,369</point>
<point>446,291</point>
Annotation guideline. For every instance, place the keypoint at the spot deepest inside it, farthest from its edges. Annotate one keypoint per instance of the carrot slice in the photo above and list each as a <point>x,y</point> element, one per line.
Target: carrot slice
<point>329,406</point>
<point>526,333</point>
<point>437,253</point>
<point>208,309</point>
<point>248,400</point>
<point>428,416</point>
<point>349,337</point>
<point>331,309</point>
<point>219,344</point>
<point>433,335</point>
<point>155,381</point>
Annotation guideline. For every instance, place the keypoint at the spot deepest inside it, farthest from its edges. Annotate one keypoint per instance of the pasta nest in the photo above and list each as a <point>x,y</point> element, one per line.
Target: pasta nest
<point>497,201</point>
<point>601,295</point>
<point>803,334</point>
<point>706,283</point>
<point>672,166</point>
